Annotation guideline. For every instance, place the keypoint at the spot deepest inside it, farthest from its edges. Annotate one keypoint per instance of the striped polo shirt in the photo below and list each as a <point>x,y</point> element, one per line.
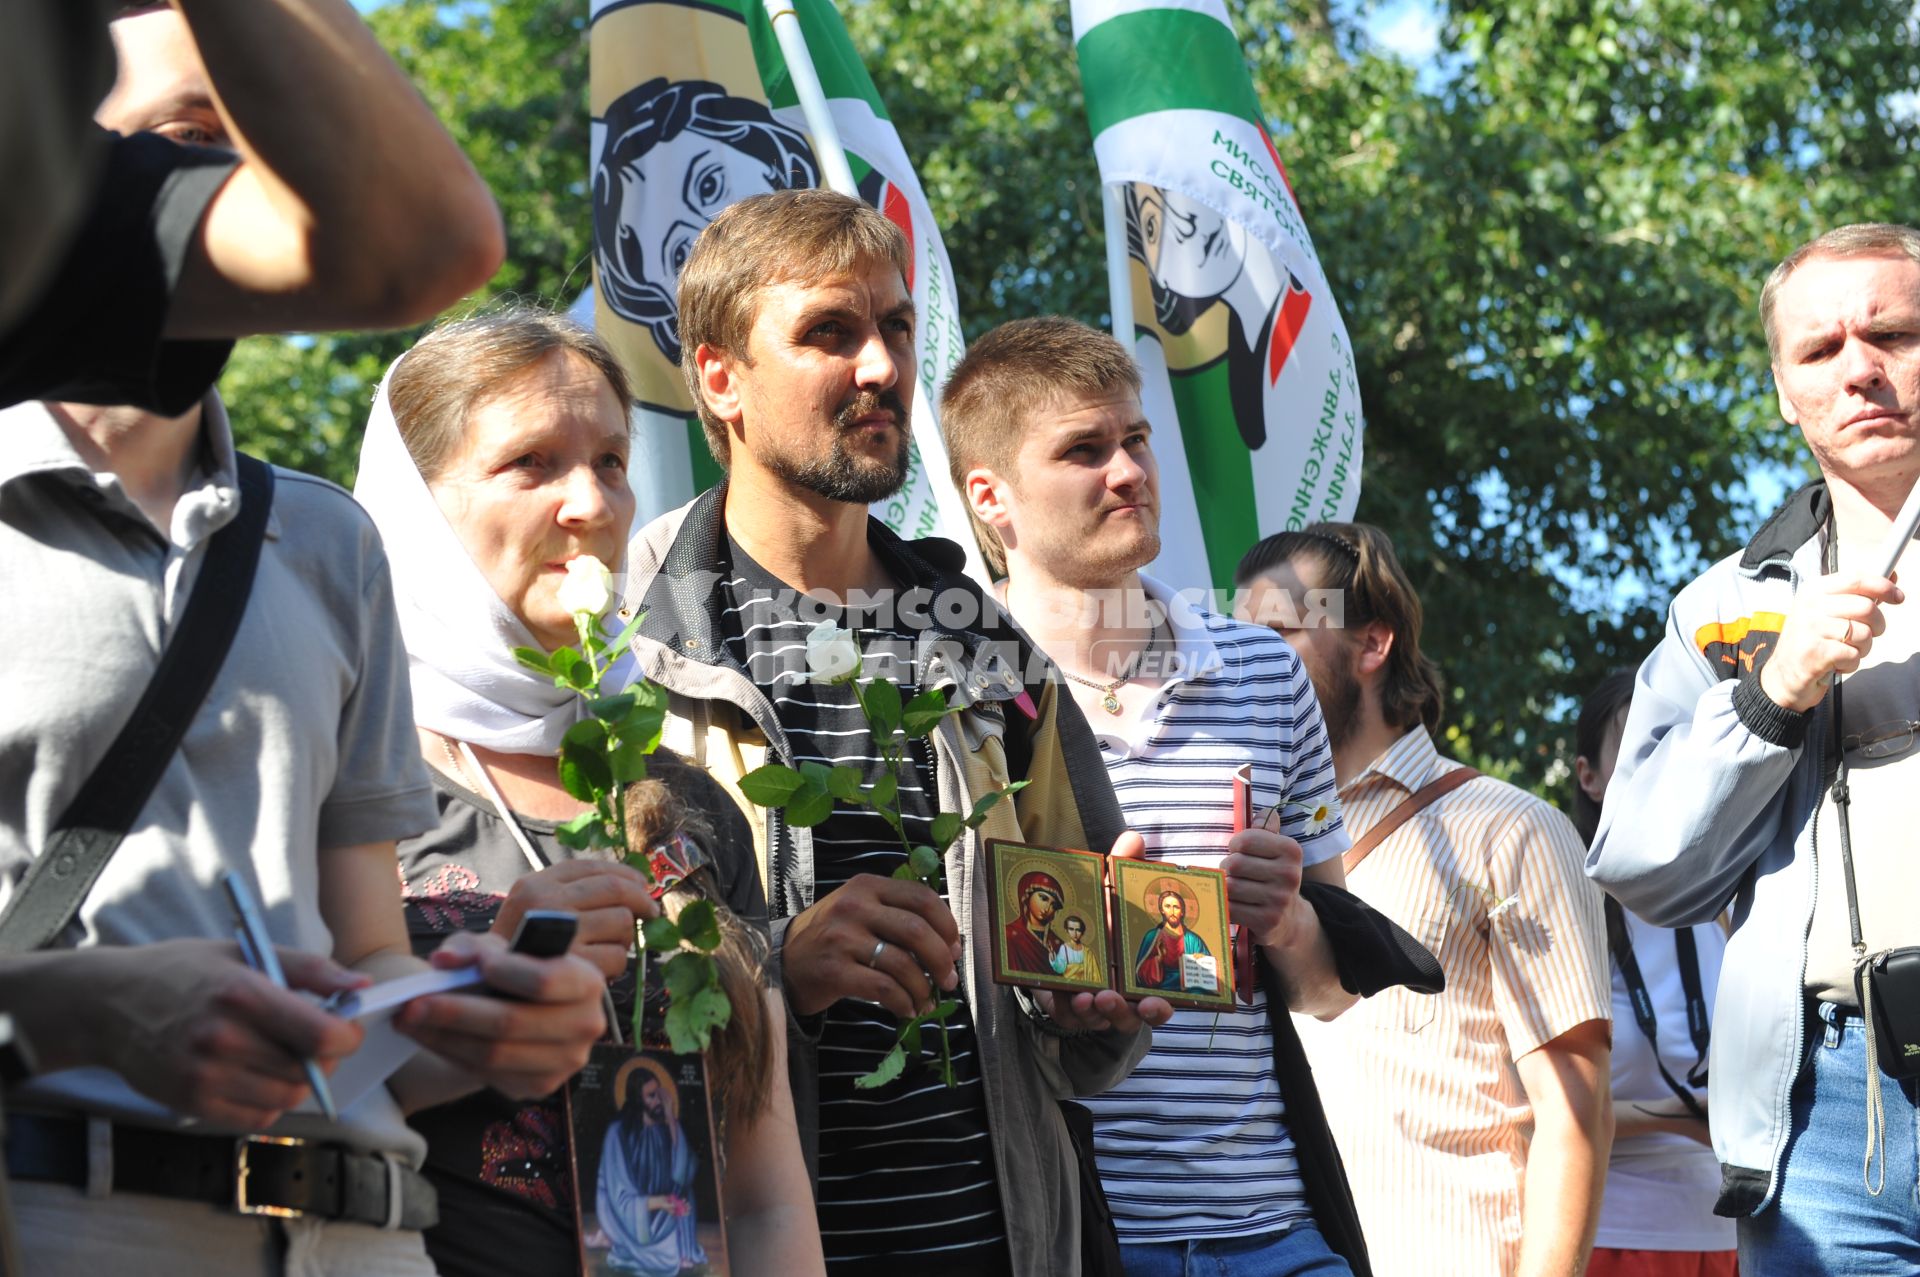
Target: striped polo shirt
<point>1420,1089</point>
<point>1194,1143</point>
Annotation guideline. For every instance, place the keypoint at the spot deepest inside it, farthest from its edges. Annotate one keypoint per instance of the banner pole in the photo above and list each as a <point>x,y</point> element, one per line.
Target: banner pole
<point>928,441</point>
<point>813,99</point>
<point>1119,265</point>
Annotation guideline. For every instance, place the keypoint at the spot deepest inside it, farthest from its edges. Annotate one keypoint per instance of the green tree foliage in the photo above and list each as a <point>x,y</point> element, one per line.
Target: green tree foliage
<point>509,79</point>
<point>1547,247</point>
<point>1547,250</point>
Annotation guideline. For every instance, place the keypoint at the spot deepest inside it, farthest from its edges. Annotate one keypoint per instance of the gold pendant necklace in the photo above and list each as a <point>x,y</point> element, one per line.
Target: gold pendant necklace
<point>1109,699</point>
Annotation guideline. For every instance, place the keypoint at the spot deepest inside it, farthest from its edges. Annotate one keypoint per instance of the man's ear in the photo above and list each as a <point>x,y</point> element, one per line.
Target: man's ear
<point>1788,412</point>
<point>1376,645</point>
<point>719,383</point>
<point>986,496</point>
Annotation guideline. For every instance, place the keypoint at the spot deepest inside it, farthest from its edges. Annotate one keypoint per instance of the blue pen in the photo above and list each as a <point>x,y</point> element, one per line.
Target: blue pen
<point>256,950</point>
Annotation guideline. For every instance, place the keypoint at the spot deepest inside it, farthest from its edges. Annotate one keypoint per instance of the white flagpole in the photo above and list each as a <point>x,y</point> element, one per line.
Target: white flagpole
<point>813,99</point>
<point>1119,267</point>
<point>827,147</point>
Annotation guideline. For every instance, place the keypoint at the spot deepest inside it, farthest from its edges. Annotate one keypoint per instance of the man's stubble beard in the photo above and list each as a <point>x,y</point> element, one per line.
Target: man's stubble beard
<point>1338,692</point>
<point>842,476</point>
<point>1080,561</point>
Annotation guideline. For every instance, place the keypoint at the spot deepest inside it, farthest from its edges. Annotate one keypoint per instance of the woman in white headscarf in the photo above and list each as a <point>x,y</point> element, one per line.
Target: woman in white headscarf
<point>496,454</point>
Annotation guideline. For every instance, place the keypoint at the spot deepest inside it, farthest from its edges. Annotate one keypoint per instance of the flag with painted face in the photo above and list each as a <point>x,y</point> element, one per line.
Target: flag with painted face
<point>1249,375</point>
<point>693,108</point>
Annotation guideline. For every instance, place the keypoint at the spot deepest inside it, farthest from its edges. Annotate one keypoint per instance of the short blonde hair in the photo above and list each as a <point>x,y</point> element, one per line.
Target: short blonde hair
<point>987,406</point>
<point>1861,239</point>
<point>761,241</point>
<point>460,365</point>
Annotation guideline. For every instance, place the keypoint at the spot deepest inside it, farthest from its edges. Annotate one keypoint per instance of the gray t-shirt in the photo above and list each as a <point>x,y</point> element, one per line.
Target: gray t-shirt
<point>305,743</point>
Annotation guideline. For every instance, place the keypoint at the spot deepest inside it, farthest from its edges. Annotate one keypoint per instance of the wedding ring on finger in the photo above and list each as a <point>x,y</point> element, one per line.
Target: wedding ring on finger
<point>879,947</point>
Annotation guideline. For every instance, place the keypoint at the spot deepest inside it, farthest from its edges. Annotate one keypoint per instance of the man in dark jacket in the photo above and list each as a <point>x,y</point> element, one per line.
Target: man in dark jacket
<point>797,341</point>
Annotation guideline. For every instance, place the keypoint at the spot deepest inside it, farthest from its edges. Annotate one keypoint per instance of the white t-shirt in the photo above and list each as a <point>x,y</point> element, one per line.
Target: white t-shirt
<point>1661,1187</point>
<point>1881,694</point>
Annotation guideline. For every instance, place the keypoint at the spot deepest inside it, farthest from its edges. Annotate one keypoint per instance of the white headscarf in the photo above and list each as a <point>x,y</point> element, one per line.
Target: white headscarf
<point>459,635</point>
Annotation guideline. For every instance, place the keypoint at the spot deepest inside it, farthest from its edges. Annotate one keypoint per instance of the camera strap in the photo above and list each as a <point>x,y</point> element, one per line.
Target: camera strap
<point>1620,941</point>
<point>1862,967</point>
<point>1842,794</point>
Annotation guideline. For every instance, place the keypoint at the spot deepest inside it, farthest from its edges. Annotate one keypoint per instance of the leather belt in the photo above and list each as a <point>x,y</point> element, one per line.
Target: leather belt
<point>250,1174</point>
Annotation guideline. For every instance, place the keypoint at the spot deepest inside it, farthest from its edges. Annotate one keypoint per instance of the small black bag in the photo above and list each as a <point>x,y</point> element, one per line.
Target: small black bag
<point>1099,1241</point>
<point>1888,986</point>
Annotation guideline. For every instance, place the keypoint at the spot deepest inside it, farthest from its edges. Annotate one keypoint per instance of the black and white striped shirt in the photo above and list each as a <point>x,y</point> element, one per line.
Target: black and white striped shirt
<point>906,1170</point>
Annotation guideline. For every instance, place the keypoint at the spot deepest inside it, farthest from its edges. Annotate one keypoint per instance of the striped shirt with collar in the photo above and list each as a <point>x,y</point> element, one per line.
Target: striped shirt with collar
<point>1421,1090</point>
<point>1194,1144</point>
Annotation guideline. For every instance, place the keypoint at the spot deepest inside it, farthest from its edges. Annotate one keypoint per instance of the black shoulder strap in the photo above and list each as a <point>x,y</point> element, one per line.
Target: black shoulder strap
<point>110,800</point>
<point>1621,943</point>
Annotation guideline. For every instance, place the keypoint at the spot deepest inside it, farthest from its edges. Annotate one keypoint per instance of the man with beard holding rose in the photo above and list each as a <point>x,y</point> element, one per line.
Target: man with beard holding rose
<point>796,330</point>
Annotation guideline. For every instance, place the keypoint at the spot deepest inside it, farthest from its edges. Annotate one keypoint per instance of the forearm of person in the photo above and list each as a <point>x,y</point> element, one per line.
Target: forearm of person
<point>56,1000</point>
<point>771,1225</point>
<point>360,900</point>
<point>427,1080</point>
<point>1304,960</point>
<point>1566,1081</point>
<point>353,208</point>
<point>1099,1061</point>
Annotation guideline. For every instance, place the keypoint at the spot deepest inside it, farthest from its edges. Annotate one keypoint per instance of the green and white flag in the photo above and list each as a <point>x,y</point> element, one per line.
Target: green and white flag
<point>1249,374</point>
<point>693,108</point>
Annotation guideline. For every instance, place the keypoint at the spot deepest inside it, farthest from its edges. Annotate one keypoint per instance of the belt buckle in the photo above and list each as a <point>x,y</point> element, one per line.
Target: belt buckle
<point>242,1148</point>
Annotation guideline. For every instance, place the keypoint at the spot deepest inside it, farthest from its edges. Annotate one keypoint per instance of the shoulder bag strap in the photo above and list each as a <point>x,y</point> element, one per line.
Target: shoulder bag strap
<point>110,800</point>
<point>1409,807</point>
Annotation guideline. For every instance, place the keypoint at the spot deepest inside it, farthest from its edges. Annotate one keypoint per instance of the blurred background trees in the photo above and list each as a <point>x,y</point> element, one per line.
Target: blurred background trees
<point>1547,239</point>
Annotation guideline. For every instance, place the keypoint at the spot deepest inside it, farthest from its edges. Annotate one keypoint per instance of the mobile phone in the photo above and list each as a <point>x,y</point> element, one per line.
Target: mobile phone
<point>545,933</point>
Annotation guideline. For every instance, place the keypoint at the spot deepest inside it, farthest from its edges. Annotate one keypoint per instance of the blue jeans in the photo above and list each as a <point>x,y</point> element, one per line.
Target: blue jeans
<point>1824,1220</point>
<point>1298,1252</point>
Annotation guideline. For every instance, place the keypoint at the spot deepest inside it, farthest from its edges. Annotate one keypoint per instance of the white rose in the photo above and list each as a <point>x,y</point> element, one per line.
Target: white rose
<point>832,655</point>
<point>588,587</point>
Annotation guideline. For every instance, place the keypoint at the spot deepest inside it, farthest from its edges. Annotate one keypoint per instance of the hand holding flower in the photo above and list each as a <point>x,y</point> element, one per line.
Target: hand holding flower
<point>875,939</point>
<point>599,756</point>
<point>1263,871</point>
